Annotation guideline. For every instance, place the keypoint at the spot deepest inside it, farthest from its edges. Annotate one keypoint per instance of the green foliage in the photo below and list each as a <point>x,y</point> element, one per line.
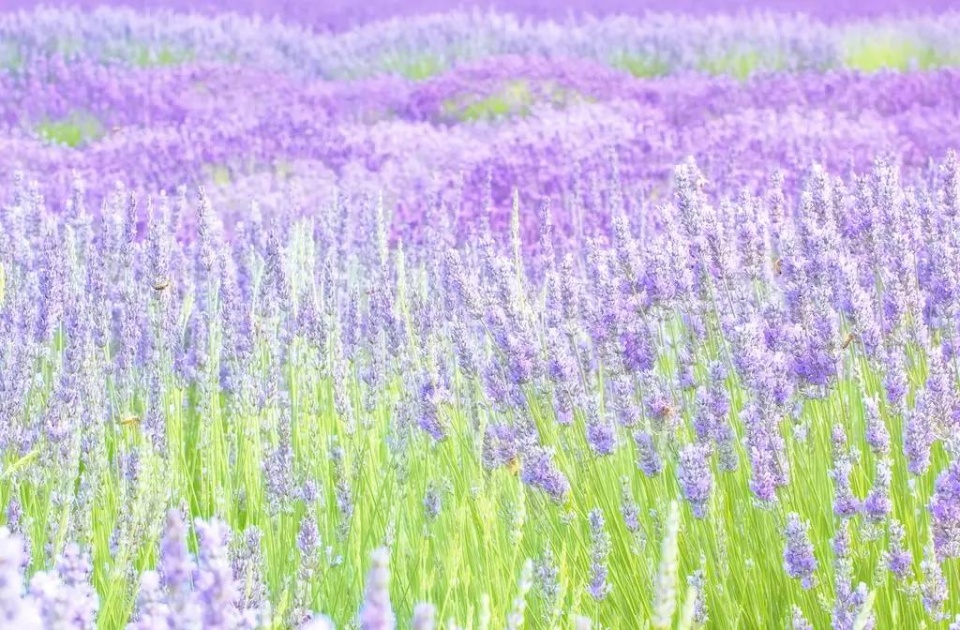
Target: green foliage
<point>643,66</point>
<point>73,130</point>
<point>515,98</point>
<point>11,57</point>
<point>880,52</point>
<point>740,64</point>
<point>165,56</point>
<point>219,174</point>
<point>415,67</point>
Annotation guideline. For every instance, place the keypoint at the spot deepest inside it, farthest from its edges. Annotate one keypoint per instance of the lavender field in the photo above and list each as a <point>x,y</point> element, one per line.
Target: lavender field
<point>434,314</point>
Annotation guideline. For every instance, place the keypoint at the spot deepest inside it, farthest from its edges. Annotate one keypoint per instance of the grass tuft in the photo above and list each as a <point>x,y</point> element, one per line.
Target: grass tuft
<point>74,130</point>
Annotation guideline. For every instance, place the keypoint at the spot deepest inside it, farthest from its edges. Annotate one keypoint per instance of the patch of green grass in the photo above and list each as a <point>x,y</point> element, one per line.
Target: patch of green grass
<point>164,56</point>
<point>67,46</point>
<point>283,169</point>
<point>143,55</point>
<point>738,64</point>
<point>11,57</point>
<point>219,174</point>
<point>73,130</point>
<point>416,68</point>
<point>896,53</point>
<point>516,98</point>
<point>643,66</point>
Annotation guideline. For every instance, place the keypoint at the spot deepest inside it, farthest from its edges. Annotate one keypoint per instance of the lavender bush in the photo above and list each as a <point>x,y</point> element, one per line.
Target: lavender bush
<point>340,14</point>
<point>526,324</point>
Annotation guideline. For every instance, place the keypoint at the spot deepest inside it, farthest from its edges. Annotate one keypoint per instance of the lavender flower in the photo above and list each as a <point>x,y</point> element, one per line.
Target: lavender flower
<point>899,560</point>
<point>213,580</point>
<point>648,458</point>
<point>695,476</point>
<point>945,512</point>
<point>15,610</point>
<point>918,437</point>
<point>798,559</point>
<point>176,570</point>
<point>432,502</point>
<point>698,581</point>
<point>548,583</point>
<point>845,504</point>
<point>66,598</point>
<point>318,622</point>
<point>601,434</point>
<point>599,588</point>
<point>538,470</point>
<point>933,589</point>
<point>895,379</point>
<point>424,617</point>
<point>878,505</point>
<point>876,430</point>
<point>376,612</point>
<point>798,621</point>
<point>629,509</point>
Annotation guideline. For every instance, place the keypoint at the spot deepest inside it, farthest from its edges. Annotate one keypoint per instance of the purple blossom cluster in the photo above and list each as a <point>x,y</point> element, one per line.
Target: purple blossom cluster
<point>418,45</point>
<point>61,598</point>
<point>132,301</point>
<point>254,133</point>
<point>340,14</point>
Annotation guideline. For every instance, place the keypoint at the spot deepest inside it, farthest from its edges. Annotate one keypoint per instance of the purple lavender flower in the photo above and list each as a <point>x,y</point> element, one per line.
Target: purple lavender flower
<point>308,538</point>
<point>717,397</point>
<point>424,617</point>
<point>176,569</point>
<point>899,560</point>
<point>798,621</point>
<point>342,488</point>
<point>696,477</point>
<point>601,433</point>
<point>14,512</point>
<point>500,445</point>
<point>538,470</point>
<point>648,459</point>
<point>945,512</point>
<point>660,407</point>
<point>431,396</point>
<point>878,438</point>
<point>318,622</point>
<point>628,508</point>
<point>934,591</point>
<point>918,436</point>
<point>845,504</point>
<point>638,353</point>
<point>213,579</point>
<point>599,588</point>
<point>376,612</point>
<point>248,568</point>
<point>14,609</point>
<point>546,575</point>
<point>878,505</point>
<point>798,558</point>
<point>764,447</point>
<point>698,580</point>
<point>153,611</point>
<point>432,502</point>
<point>628,411</point>
<point>78,603</point>
<point>895,378</point>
